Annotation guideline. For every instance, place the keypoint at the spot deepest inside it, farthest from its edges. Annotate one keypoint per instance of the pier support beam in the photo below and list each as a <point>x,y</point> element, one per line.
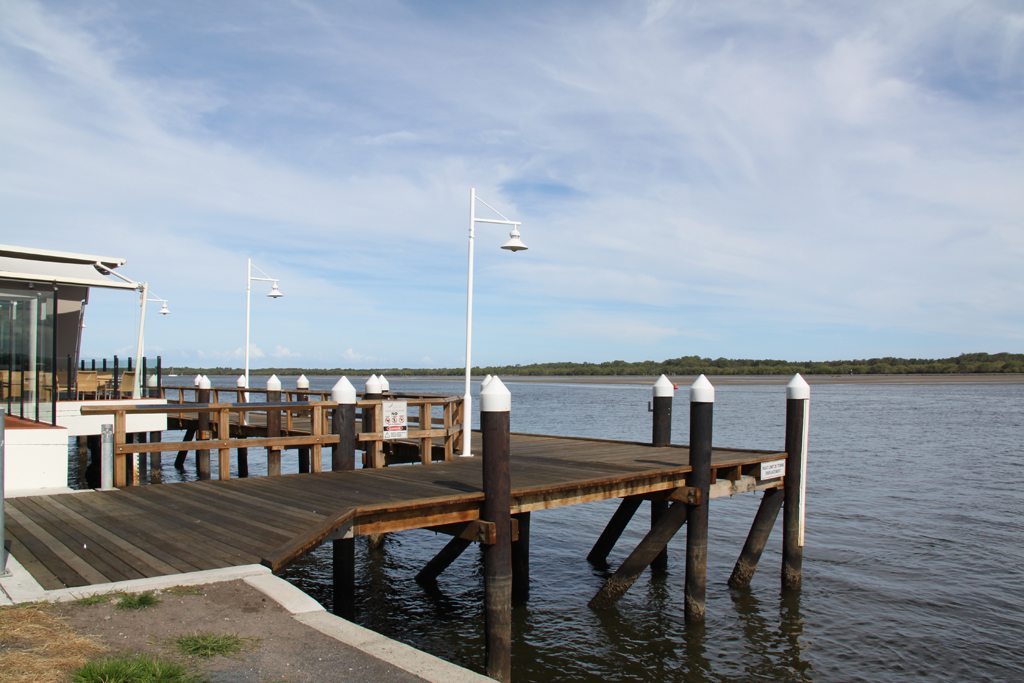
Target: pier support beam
<point>203,429</point>
<point>273,426</point>
<point>616,525</point>
<point>760,530</point>
<point>343,457</point>
<point>495,410</point>
<point>443,559</point>
<point>798,399</point>
<point>179,461</point>
<point>661,435</point>
<point>702,404</point>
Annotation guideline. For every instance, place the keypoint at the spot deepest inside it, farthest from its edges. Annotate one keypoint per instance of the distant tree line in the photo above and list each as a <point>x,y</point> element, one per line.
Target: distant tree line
<point>692,365</point>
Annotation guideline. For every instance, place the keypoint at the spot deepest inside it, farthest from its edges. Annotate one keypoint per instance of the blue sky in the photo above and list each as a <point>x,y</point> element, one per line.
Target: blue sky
<point>795,180</point>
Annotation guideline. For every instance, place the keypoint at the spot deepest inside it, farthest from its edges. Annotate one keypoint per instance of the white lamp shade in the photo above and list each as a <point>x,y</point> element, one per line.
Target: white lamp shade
<point>274,292</point>
<point>514,243</point>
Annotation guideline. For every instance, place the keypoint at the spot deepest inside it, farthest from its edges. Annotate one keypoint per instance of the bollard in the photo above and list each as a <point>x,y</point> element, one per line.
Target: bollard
<point>343,457</point>
<point>702,404</point>
<point>302,391</point>
<point>661,435</point>
<point>495,409</point>
<point>106,457</point>
<point>798,404</point>
<point>273,426</point>
<point>3,494</point>
<point>203,428</point>
<point>385,385</point>
<point>373,455</point>
<point>243,420</point>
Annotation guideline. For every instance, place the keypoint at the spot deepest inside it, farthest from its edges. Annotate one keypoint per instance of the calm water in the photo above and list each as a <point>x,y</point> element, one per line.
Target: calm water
<point>913,565</point>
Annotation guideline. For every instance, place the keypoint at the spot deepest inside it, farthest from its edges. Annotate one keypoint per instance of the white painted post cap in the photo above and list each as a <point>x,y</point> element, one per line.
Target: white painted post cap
<point>701,391</point>
<point>204,382</point>
<point>664,387</point>
<point>385,385</point>
<point>372,385</point>
<point>196,380</point>
<point>273,384</point>
<point>487,380</point>
<point>240,382</point>
<point>495,397</point>
<point>798,388</point>
<point>151,381</point>
<point>343,392</point>
<point>302,382</point>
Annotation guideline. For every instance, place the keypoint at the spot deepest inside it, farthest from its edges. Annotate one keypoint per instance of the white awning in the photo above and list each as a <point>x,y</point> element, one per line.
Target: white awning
<point>59,267</point>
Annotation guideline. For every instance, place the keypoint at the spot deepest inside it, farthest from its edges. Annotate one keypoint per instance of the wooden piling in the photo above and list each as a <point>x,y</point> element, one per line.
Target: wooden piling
<point>343,457</point>
<point>302,395</point>
<point>661,435</point>
<point>521,560</point>
<point>273,426</point>
<point>702,404</point>
<point>203,431</point>
<point>798,395</point>
<point>179,460</point>
<point>156,458</point>
<point>760,530</point>
<point>373,451</point>
<point>495,407</point>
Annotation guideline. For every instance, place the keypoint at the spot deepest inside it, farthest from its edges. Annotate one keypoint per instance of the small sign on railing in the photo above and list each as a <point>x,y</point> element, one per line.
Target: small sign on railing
<point>396,419</point>
<point>773,469</point>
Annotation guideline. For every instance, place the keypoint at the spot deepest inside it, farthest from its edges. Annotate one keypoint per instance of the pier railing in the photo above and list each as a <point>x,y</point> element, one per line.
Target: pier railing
<point>303,424</point>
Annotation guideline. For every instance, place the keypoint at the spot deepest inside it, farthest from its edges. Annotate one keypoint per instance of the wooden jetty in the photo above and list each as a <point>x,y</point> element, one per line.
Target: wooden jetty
<point>132,532</point>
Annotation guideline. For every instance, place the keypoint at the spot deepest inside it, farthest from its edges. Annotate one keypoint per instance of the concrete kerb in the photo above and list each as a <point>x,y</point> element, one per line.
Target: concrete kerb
<point>20,587</point>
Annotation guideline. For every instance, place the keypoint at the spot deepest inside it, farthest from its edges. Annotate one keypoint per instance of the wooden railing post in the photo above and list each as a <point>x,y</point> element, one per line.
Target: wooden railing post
<point>495,409</point>
<point>426,442</point>
<point>242,396</point>
<point>702,404</point>
<point>224,434</point>
<point>120,478</point>
<point>273,426</point>
<point>372,423</point>
<point>798,400</point>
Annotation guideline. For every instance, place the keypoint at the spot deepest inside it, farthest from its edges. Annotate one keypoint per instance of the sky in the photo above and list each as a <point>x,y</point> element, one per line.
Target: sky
<point>740,179</point>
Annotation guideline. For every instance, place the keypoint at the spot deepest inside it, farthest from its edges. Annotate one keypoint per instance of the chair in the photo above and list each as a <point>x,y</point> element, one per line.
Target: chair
<point>88,385</point>
<point>127,385</point>
<point>105,381</point>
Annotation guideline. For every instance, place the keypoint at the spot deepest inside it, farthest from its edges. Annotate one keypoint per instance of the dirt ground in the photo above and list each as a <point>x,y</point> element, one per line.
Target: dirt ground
<point>276,646</point>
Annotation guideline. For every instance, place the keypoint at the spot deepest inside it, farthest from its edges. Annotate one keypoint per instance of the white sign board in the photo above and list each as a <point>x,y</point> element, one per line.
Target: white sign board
<point>773,469</point>
<point>396,420</point>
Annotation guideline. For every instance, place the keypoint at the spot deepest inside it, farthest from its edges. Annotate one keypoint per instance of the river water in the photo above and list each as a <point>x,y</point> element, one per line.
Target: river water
<point>913,565</point>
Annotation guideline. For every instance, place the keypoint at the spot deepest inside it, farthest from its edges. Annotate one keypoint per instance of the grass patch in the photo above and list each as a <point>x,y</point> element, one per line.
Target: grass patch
<point>209,644</point>
<point>138,668</point>
<point>38,647</point>
<point>137,600</point>
<point>97,599</point>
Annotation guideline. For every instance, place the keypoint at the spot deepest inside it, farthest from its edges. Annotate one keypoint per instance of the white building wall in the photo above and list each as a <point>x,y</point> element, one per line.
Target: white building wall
<point>35,460</point>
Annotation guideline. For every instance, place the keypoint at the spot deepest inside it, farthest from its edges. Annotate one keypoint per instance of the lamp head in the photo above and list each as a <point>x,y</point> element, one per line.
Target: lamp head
<point>274,291</point>
<point>514,243</point>
<point>164,310</point>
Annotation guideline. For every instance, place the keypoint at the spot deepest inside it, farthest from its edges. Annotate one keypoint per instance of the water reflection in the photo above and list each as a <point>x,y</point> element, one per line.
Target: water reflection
<point>773,643</point>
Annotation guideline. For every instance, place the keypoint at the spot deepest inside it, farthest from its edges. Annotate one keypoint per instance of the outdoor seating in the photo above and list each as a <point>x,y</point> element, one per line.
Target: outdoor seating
<point>88,384</point>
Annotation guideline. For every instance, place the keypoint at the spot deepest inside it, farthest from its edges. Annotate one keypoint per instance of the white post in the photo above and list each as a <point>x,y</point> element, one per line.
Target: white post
<point>3,497</point>
<point>248,306</point>
<point>467,400</point>
<point>139,344</point>
<point>106,457</point>
<point>385,385</point>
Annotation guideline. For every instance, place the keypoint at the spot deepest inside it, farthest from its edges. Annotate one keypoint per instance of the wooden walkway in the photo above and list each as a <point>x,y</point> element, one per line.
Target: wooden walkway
<point>95,537</point>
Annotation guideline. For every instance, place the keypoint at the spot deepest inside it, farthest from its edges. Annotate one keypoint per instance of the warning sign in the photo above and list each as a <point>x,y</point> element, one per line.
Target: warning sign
<point>396,420</point>
<point>773,469</point>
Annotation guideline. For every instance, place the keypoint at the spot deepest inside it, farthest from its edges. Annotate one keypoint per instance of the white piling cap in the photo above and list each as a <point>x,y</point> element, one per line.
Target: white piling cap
<point>151,381</point>
<point>798,388</point>
<point>204,382</point>
<point>701,391</point>
<point>197,379</point>
<point>343,392</point>
<point>372,385</point>
<point>385,385</point>
<point>487,380</point>
<point>302,382</point>
<point>664,387</point>
<point>240,382</point>
<point>273,384</point>
<point>495,397</point>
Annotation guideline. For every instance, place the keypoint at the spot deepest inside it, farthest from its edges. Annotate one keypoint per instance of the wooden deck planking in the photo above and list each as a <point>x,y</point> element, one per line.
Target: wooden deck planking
<point>90,537</point>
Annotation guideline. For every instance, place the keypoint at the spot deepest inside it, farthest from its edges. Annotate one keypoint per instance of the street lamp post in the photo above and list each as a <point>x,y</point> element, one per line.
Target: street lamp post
<point>513,244</point>
<point>144,298</point>
<point>274,293</point>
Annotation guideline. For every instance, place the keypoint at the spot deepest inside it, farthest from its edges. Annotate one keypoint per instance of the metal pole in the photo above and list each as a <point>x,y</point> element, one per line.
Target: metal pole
<point>107,457</point>
<point>137,386</point>
<point>248,305</point>
<point>3,496</point>
<point>467,400</point>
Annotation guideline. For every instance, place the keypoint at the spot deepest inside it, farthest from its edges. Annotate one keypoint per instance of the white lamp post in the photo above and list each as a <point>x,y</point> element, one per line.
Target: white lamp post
<point>274,293</point>
<point>144,298</point>
<point>513,244</point>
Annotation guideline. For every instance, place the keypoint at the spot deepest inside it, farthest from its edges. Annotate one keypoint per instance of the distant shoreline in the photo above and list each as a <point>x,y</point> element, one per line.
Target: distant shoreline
<point>681,380</point>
